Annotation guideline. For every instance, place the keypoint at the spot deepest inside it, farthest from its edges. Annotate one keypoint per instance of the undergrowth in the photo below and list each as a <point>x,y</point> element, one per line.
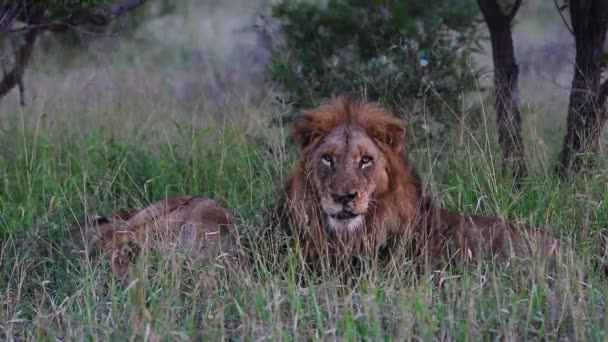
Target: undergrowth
<point>48,184</point>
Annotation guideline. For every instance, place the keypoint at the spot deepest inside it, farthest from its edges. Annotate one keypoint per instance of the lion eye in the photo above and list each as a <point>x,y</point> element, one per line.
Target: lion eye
<point>366,160</point>
<point>327,159</point>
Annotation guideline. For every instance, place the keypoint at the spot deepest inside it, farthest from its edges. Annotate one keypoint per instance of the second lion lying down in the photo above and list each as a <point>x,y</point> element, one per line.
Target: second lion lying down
<point>198,226</point>
<point>353,189</point>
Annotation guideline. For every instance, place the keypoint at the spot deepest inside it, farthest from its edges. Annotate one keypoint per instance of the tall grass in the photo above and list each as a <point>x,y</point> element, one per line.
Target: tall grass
<point>48,184</point>
<point>175,113</point>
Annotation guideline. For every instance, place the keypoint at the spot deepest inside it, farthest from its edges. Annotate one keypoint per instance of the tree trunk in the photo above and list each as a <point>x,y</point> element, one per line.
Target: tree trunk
<point>506,74</point>
<point>508,117</point>
<point>22,57</point>
<point>586,112</point>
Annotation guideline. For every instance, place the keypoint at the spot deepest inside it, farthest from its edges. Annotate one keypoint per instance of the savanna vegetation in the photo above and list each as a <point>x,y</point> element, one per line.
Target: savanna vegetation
<point>194,98</point>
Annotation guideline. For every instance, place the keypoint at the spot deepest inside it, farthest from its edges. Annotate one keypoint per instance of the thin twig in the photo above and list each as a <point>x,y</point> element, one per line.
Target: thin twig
<point>559,10</point>
<point>9,16</point>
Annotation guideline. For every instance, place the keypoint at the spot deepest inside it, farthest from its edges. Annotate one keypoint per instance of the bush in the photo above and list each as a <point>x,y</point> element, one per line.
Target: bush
<point>397,52</point>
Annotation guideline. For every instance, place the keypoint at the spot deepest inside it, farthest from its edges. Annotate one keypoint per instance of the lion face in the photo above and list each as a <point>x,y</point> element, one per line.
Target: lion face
<point>344,151</point>
<point>349,169</point>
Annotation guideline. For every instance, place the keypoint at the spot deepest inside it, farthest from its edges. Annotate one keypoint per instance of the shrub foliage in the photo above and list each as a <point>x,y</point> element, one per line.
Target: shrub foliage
<point>396,51</point>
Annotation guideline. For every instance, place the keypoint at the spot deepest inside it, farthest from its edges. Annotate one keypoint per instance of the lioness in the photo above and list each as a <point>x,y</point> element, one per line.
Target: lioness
<point>353,189</point>
<point>199,225</point>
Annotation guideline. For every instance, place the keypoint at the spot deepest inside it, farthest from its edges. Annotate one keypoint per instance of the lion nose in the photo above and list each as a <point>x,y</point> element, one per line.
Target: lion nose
<point>344,199</point>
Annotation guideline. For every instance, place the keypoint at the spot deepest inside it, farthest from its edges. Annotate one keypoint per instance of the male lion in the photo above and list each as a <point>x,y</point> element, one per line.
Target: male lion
<point>198,225</point>
<point>354,190</point>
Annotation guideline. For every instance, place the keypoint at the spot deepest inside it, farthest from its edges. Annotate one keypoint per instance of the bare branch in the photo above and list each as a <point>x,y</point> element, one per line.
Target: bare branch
<point>22,57</point>
<point>121,9</point>
<point>559,10</point>
<point>8,15</point>
<point>101,17</point>
<point>514,10</point>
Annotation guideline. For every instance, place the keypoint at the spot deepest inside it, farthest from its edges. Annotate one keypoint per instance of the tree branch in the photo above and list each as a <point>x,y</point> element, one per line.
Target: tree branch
<point>36,22</point>
<point>559,11</point>
<point>514,10</point>
<point>101,17</point>
<point>8,15</point>
<point>121,9</point>
<point>22,57</point>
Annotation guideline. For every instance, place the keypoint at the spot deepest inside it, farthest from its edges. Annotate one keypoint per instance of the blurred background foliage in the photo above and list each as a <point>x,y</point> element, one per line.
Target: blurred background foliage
<point>428,61</point>
<point>410,55</point>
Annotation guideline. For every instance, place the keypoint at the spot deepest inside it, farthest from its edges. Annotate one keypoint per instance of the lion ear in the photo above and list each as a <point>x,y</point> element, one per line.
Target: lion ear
<point>304,131</point>
<point>395,135</point>
<point>300,133</point>
<point>391,133</point>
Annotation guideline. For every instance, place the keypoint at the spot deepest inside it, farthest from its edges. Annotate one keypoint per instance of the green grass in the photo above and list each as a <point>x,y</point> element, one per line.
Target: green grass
<point>49,183</point>
<point>133,121</point>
